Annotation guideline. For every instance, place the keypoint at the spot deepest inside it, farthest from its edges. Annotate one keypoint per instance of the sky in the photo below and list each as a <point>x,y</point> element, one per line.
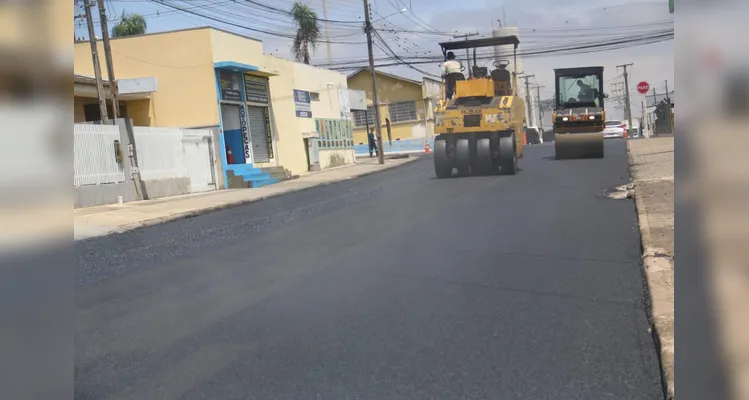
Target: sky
<point>542,23</point>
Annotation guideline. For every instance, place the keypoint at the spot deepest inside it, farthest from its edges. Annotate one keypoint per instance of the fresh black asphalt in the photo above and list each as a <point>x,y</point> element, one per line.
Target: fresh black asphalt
<point>390,286</point>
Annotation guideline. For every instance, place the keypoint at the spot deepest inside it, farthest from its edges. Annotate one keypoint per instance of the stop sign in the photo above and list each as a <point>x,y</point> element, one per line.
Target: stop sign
<point>643,87</point>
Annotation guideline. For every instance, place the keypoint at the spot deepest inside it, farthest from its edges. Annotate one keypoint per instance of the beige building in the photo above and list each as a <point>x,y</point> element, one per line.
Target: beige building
<point>406,105</point>
<point>271,113</point>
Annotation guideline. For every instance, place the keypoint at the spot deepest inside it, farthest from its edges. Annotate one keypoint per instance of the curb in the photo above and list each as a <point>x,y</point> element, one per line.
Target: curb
<point>658,272</point>
<point>195,213</point>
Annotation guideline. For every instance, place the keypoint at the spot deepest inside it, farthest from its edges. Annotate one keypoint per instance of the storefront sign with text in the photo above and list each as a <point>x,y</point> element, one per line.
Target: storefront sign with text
<point>302,104</point>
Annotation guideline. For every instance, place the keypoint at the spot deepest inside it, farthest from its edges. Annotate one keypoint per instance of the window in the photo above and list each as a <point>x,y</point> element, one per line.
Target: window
<point>362,118</point>
<point>402,111</point>
<point>613,123</point>
<point>92,113</point>
<point>314,96</point>
<point>579,91</point>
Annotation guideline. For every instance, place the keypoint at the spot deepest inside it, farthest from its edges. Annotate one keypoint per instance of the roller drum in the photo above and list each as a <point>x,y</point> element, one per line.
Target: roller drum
<point>578,145</point>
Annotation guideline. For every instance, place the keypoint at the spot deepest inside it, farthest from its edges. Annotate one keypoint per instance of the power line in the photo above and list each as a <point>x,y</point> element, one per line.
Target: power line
<point>561,50</point>
<point>223,21</point>
<point>397,58</point>
<point>577,45</point>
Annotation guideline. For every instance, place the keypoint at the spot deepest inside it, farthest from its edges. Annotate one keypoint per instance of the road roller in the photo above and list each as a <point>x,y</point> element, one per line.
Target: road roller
<point>479,120</point>
<point>579,117</point>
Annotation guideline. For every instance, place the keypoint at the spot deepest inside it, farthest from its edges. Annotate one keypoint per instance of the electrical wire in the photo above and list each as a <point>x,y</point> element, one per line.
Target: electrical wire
<point>236,25</point>
<point>622,42</point>
<point>397,58</point>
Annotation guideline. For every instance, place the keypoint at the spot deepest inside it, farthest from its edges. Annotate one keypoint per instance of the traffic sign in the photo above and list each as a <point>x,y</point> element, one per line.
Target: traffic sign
<point>643,87</point>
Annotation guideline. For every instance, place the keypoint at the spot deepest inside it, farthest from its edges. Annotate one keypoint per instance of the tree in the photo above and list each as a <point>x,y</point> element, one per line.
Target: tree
<point>129,25</point>
<point>307,33</point>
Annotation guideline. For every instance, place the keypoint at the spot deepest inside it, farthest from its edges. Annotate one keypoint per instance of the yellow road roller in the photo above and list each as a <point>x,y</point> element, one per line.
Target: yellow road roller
<point>479,121</point>
<point>579,117</point>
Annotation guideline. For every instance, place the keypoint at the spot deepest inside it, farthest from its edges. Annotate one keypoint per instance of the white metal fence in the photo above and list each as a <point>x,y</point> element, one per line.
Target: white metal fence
<point>159,152</point>
<point>196,147</point>
<point>94,155</point>
<point>163,153</point>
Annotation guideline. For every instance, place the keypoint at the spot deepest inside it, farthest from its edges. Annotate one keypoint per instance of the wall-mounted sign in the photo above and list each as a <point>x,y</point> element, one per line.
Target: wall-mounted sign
<point>230,84</point>
<point>137,85</point>
<point>302,104</point>
<point>268,131</point>
<point>308,135</point>
<point>255,89</point>
<point>245,135</point>
<point>357,100</point>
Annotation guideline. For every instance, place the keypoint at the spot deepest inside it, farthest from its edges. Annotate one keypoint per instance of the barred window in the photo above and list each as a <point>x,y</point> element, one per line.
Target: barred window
<point>402,111</point>
<point>362,118</point>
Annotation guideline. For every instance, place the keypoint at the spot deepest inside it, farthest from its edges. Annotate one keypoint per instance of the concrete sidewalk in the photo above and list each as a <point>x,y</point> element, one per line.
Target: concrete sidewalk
<point>652,168</point>
<point>113,218</point>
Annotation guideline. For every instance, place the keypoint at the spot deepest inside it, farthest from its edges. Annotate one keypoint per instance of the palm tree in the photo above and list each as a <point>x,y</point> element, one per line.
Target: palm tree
<point>130,24</point>
<point>307,33</point>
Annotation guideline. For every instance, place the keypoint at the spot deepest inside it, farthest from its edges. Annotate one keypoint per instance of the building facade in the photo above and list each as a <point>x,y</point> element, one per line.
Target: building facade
<point>267,109</point>
<point>406,108</point>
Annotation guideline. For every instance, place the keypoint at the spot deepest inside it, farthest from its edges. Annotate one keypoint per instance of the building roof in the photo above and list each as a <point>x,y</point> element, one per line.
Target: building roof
<point>396,77</point>
<point>87,80</point>
<point>433,80</point>
<point>176,31</point>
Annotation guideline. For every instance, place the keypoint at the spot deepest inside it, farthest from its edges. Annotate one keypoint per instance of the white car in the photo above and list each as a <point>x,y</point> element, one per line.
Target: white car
<point>614,129</point>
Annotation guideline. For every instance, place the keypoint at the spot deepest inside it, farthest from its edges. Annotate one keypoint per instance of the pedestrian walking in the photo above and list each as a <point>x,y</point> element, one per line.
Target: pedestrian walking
<point>372,142</point>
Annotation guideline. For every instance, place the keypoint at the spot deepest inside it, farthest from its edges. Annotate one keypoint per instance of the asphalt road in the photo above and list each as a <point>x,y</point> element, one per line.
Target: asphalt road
<point>390,286</point>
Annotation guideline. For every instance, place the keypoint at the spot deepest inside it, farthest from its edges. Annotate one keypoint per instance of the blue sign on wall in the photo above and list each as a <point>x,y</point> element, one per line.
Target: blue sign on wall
<point>302,104</point>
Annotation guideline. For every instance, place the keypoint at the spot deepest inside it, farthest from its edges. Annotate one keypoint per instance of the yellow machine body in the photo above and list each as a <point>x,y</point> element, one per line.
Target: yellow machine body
<point>479,87</point>
<point>479,126</point>
<point>500,114</point>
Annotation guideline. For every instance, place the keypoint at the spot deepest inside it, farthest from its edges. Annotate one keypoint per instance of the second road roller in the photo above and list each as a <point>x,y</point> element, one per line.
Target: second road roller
<point>479,121</point>
<point>579,116</point>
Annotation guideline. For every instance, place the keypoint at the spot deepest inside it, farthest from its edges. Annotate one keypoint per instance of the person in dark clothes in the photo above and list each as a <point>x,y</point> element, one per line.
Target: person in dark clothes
<point>372,142</point>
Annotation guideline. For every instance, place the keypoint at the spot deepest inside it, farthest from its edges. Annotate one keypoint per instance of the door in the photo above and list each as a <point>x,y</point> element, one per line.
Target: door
<point>259,131</point>
<point>236,138</point>
<point>197,153</point>
<point>313,153</point>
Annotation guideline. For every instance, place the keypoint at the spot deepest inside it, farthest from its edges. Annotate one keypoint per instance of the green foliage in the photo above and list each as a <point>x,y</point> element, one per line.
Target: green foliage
<point>129,25</point>
<point>308,31</point>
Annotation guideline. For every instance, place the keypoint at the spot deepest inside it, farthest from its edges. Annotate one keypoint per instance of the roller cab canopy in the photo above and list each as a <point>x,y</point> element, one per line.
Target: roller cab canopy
<point>484,42</point>
<point>579,71</point>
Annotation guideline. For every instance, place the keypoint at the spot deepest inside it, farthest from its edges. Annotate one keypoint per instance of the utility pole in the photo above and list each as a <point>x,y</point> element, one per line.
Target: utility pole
<point>468,54</point>
<point>540,110</point>
<point>108,59</point>
<point>670,114</point>
<point>95,58</point>
<point>375,99</point>
<point>628,106</point>
<point>140,188</point>
<point>531,120</point>
<point>327,32</point>
<point>655,104</point>
<point>644,121</point>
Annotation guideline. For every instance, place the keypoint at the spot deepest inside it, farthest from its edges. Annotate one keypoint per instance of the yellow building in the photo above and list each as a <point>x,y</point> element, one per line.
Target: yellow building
<point>267,109</point>
<point>406,106</point>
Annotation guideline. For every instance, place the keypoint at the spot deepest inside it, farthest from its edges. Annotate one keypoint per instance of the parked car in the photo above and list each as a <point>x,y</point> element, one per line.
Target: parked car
<point>614,129</point>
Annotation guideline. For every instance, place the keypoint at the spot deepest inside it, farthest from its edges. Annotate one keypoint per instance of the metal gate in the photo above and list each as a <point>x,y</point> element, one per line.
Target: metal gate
<point>259,131</point>
<point>196,147</point>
